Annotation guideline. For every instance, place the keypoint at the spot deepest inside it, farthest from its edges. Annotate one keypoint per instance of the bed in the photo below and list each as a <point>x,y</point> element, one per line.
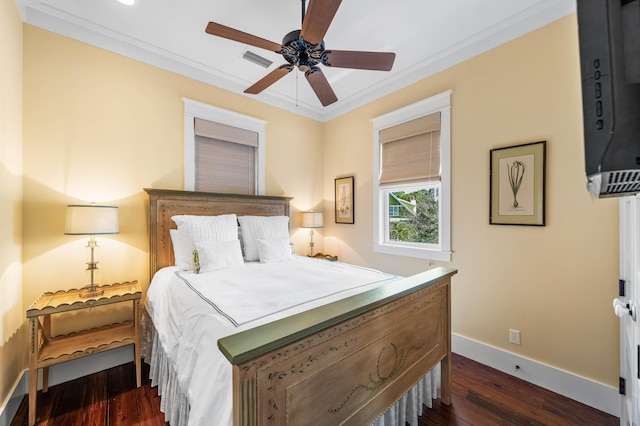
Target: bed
<point>346,360</point>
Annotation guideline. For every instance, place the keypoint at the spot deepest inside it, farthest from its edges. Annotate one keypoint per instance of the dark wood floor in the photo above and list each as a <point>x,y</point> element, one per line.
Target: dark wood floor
<point>109,397</point>
<point>484,396</point>
<point>481,396</point>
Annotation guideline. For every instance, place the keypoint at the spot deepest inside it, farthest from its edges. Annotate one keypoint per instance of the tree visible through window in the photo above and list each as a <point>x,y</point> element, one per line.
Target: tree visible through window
<point>416,218</point>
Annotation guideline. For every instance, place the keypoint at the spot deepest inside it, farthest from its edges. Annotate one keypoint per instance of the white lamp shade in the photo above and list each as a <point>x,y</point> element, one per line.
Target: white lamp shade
<point>312,220</point>
<point>91,220</point>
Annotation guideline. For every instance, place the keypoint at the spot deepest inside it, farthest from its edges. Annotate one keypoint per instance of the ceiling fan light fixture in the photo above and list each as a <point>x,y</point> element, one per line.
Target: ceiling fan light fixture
<point>256,59</point>
<point>291,37</point>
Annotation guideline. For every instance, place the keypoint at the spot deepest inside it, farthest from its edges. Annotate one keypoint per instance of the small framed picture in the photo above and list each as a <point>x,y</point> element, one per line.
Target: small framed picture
<point>344,200</point>
<point>517,187</point>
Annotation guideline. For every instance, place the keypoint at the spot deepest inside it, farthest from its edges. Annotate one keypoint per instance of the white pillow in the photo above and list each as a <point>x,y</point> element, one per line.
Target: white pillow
<point>261,228</point>
<point>274,250</point>
<point>204,229</point>
<point>219,255</point>
<point>182,250</point>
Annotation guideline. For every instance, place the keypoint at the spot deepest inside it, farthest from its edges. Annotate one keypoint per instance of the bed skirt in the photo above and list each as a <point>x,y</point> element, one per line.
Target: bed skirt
<point>174,401</point>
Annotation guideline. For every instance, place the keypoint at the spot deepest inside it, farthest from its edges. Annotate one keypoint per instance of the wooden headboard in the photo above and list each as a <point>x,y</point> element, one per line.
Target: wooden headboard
<point>165,203</point>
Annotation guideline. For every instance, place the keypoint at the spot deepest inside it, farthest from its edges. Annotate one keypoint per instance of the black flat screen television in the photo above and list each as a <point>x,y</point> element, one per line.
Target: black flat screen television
<point>609,34</point>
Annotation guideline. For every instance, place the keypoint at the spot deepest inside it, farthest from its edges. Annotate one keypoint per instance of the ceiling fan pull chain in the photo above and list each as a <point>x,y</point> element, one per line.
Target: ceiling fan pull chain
<point>304,2</point>
<point>297,87</point>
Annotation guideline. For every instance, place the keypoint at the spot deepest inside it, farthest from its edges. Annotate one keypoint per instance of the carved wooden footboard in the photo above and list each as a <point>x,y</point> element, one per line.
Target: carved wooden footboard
<point>347,362</point>
<point>343,363</point>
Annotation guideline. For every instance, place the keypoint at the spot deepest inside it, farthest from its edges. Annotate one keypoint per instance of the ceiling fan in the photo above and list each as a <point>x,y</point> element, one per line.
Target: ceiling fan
<point>305,50</point>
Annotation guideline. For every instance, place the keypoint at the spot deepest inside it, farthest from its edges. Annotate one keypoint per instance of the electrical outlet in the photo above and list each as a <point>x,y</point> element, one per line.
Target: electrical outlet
<point>514,336</point>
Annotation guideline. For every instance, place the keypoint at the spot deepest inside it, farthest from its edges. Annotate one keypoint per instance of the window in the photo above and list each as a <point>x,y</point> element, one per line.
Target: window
<point>223,150</point>
<point>412,187</point>
<point>225,158</point>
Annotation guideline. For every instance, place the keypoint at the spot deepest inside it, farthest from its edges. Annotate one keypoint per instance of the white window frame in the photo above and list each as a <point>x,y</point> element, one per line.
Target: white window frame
<point>193,109</point>
<point>442,252</point>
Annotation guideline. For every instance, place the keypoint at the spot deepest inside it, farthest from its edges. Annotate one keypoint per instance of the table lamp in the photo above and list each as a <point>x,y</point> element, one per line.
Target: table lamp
<point>311,219</point>
<point>91,220</point>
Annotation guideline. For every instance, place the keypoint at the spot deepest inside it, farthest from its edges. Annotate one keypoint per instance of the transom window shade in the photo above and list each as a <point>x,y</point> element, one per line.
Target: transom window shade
<point>225,158</point>
<point>223,132</point>
<point>410,152</point>
<point>225,167</point>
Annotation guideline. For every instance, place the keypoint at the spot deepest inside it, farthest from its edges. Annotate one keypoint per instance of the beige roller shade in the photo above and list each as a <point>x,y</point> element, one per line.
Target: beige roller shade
<point>410,151</point>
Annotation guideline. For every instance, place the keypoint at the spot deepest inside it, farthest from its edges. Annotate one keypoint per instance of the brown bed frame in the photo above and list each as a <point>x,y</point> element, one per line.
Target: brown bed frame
<point>342,363</point>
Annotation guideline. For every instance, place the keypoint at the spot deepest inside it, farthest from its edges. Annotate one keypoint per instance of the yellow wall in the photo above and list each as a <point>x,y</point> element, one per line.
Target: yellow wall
<point>554,283</point>
<point>13,328</point>
<point>100,127</point>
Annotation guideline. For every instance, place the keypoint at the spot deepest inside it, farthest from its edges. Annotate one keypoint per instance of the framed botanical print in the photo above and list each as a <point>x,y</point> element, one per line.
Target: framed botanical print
<point>517,185</point>
<point>344,200</point>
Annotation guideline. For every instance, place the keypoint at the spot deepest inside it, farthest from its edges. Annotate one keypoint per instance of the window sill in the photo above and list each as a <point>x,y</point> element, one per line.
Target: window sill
<point>421,253</point>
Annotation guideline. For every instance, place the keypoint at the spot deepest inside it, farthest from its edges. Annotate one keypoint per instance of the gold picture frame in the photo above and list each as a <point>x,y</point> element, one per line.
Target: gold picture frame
<point>517,185</point>
<point>344,200</point>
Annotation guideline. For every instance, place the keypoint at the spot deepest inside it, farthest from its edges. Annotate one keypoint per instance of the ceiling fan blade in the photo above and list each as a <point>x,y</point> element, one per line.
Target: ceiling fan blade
<point>321,86</point>
<point>269,79</point>
<point>319,15</point>
<point>242,37</point>
<point>379,61</point>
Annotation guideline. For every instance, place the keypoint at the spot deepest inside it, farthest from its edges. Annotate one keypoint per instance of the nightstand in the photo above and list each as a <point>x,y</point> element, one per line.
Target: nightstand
<point>47,350</point>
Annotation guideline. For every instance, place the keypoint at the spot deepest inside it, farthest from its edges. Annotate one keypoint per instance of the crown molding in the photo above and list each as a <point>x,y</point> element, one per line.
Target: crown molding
<point>41,15</point>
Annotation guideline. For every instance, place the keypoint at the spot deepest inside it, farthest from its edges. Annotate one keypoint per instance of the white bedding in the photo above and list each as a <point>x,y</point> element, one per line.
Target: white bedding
<point>192,311</point>
<point>255,290</point>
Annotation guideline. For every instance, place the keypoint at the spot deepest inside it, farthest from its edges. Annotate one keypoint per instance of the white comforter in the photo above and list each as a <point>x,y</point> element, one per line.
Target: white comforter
<point>192,311</point>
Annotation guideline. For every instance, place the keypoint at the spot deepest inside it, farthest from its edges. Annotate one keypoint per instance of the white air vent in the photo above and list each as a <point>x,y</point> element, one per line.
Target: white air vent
<point>620,183</point>
<point>256,59</point>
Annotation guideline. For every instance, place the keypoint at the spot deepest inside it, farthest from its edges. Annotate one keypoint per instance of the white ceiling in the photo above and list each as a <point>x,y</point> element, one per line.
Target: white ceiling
<point>426,35</point>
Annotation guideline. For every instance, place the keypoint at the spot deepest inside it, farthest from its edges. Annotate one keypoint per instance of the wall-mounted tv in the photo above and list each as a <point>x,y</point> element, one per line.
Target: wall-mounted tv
<point>609,34</point>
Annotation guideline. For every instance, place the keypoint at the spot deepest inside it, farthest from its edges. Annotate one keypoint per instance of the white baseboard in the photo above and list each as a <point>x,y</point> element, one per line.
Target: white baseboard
<point>64,372</point>
<point>594,394</point>
<point>9,409</point>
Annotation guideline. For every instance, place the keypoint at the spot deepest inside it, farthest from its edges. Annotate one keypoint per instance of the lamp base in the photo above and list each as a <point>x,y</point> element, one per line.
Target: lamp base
<point>91,291</point>
<point>324,256</point>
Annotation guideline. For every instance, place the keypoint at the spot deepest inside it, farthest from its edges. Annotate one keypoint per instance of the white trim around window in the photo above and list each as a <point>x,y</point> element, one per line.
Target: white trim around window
<point>442,103</point>
<point>193,109</point>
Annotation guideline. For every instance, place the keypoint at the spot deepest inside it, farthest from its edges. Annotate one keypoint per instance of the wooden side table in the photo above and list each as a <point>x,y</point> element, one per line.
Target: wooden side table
<point>47,350</point>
